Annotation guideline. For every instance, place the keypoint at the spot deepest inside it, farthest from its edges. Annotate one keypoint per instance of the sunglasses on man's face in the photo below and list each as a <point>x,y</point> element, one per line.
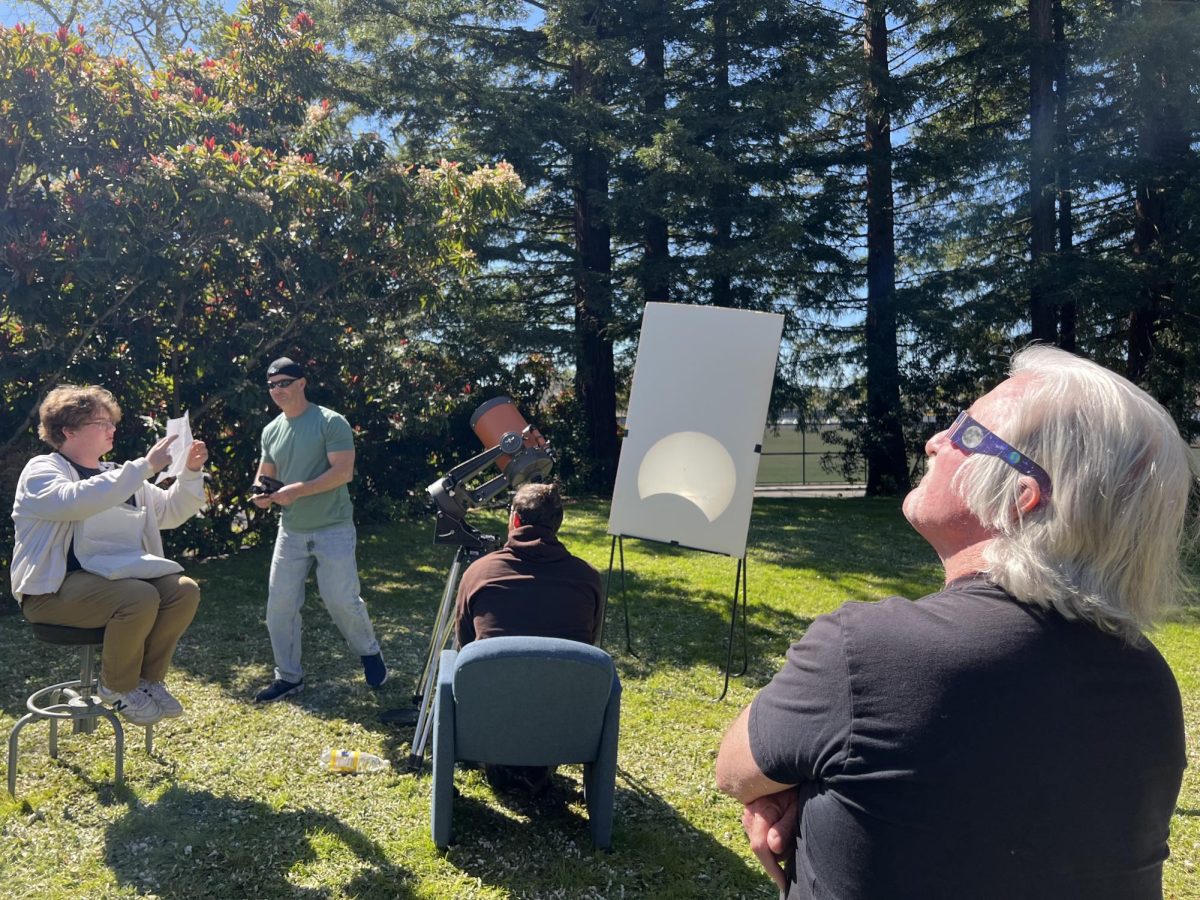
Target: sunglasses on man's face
<point>281,383</point>
<point>970,437</point>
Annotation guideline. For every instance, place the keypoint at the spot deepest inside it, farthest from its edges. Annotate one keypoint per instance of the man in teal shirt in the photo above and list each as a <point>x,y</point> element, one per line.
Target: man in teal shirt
<point>311,450</point>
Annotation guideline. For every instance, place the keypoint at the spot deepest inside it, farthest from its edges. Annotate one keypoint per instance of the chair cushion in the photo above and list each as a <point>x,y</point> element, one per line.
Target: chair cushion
<point>64,634</point>
<point>530,700</point>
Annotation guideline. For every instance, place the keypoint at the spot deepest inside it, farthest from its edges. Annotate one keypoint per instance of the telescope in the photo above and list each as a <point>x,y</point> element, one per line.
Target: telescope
<point>516,448</point>
<point>522,455</point>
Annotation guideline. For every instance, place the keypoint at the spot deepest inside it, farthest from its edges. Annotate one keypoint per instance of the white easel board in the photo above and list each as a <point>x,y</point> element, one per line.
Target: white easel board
<point>697,410</point>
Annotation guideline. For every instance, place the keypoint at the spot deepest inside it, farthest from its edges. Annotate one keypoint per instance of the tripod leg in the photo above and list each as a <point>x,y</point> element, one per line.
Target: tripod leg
<point>437,642</point>
<point>444,612</point>
<point>416,756</point>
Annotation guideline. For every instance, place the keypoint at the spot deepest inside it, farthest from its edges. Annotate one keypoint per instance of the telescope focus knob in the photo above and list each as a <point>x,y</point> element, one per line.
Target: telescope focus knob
<point>511,443</point>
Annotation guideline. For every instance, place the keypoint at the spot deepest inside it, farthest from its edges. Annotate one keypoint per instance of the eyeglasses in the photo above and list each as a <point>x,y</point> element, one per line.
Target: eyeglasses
<point>281,383</point>
<point>970,437</point>
<point>106,424</point>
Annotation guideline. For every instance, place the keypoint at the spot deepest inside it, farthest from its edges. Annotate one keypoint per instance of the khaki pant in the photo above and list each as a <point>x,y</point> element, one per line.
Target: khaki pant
<point>142,620</point>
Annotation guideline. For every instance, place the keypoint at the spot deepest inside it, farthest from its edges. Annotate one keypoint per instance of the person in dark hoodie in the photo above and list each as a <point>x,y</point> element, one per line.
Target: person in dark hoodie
<point>532,586</point>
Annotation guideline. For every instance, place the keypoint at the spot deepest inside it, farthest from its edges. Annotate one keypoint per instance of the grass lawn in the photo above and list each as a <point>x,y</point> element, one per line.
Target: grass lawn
<point>233,802</point>
<point>795,457</point>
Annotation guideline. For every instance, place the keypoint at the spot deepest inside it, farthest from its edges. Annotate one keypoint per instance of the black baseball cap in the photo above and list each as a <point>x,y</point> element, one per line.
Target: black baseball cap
<point>285,366</point>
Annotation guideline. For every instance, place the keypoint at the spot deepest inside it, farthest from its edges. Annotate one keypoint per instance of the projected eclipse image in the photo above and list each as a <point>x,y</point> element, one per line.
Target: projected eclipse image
<point>692,465</point>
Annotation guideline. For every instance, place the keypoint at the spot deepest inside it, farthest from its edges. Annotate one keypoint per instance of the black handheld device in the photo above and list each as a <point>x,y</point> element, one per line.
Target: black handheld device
<point>266,485</point>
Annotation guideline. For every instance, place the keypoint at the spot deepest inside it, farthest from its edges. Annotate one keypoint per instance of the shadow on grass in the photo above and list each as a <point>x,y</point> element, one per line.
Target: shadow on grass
<point>192,844</point>
<point>861,549</point>
<point>228,644</point>
<point>404,577</point>
<point>35,741</point>
<point>864,547</point>
<point>543,847</point>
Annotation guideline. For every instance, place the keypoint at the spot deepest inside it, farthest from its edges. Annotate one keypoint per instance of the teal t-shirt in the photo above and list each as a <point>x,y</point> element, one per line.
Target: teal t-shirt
<point>298,449</point>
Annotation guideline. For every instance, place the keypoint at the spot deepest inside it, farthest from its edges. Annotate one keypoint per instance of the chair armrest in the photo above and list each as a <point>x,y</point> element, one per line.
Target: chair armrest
<point>446,663</point>
<point>443,700</point>
<point>441,810</point>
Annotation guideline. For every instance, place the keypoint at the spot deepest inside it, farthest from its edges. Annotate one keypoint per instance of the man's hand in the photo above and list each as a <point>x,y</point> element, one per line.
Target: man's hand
<point>771,824</point>
<point>260,489</point>
<point>159,456</point>
<point>197,456</point>
<point>286,495</point>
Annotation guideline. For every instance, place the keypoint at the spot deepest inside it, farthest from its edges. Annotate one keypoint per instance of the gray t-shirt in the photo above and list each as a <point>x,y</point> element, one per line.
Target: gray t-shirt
<point>970,746</point>
<point>299,448</point>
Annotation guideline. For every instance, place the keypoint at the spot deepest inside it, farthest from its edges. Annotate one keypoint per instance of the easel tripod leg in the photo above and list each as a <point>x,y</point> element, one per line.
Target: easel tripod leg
<point>625,597</point>
<point>618,544</point>
<point>739,588</point>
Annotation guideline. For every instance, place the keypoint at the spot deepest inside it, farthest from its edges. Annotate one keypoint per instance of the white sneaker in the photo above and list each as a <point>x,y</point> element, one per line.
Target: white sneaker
<point>171,708</point>
<point>136,706</point>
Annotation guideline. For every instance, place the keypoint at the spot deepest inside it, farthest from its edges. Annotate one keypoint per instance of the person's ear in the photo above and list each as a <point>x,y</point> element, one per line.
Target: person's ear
<point>1030,496</point>
<point>514,521</point>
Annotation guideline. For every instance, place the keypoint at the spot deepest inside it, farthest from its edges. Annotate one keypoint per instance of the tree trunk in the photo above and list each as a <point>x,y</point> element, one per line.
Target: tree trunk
<point>1066,223</point>
<point>887,460</point>
<point>595,382</point>
<point>720,196</point>
<point>1042,306</point>
<point>1162,144</point>
<point>656,249</point>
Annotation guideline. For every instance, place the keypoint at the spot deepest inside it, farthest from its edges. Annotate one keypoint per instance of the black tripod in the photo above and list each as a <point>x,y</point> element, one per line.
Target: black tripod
<point>471,545</point>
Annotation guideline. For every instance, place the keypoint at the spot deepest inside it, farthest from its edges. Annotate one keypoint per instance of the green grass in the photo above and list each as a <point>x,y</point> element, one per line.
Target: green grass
<point>233,804</point>
<point>795,457</point>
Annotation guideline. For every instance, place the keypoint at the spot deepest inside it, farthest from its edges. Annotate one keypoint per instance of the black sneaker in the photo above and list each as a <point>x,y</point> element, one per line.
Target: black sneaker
<point>375,670</point>
<point>277,690</point>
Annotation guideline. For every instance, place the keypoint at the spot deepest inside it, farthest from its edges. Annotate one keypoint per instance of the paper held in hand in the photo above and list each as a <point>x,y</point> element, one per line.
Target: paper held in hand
<point>182,429</point>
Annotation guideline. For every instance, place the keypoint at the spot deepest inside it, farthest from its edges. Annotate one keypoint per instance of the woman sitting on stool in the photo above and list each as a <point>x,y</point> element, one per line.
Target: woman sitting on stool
<point>88,552</point>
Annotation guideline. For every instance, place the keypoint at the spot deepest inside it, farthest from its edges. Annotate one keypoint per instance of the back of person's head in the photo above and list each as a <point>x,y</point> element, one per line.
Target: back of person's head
<point>539,504</point>
<point>72,406</point>
<point>1106,545</point>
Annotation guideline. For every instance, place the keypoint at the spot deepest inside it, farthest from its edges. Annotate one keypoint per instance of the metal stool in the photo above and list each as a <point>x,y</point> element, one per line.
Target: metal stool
<point>73,700</point>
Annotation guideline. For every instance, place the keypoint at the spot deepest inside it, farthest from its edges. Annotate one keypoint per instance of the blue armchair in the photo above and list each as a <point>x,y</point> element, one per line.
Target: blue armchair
<point>527,701</point>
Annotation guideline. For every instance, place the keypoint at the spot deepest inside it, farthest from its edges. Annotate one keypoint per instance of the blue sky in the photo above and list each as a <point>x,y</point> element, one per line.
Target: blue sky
<point>12,13</point>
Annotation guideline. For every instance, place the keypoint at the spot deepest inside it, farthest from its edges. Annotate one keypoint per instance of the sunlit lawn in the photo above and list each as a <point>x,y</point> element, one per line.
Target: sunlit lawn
<point>233,804</point>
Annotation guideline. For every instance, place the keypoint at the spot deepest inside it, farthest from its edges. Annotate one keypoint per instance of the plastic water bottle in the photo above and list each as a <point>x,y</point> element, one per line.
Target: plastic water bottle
<point>352,761</point>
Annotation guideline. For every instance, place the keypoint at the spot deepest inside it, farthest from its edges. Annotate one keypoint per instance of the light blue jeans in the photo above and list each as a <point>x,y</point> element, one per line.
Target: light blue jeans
<point>332,549</point>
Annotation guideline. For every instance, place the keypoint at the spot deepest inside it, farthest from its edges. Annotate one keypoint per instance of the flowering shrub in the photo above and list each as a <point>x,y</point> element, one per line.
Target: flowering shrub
<point>168,233</point>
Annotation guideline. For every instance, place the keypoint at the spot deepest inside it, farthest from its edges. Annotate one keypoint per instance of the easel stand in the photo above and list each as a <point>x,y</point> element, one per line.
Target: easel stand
<point>739,592</point>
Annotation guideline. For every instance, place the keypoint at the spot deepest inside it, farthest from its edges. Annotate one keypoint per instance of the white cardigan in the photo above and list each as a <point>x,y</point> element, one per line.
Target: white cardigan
<point>51,499</point>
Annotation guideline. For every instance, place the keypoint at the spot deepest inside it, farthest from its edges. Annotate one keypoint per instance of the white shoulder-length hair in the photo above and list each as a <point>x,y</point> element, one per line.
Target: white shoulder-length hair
<point>1106,547</point>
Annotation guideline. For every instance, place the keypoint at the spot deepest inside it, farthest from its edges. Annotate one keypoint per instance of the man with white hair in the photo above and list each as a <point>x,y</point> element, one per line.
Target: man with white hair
<point>1014,734</point>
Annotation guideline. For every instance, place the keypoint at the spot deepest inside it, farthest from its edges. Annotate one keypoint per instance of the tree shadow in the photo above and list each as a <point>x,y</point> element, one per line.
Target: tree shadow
<point>866,550</point>
<point>28,665</point>
<point>401,589</point>
<point>863,544</point>
<point>863,552</point>
<point>191,844</point>
<point>673,621</point>
<point>543,847</point>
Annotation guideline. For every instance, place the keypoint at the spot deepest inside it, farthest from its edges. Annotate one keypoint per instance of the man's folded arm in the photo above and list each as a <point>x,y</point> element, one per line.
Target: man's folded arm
<point>738,774</point>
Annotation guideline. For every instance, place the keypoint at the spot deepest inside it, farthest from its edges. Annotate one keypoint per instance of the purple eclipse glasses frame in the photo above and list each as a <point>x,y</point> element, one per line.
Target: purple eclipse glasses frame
<point>970,437</point>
